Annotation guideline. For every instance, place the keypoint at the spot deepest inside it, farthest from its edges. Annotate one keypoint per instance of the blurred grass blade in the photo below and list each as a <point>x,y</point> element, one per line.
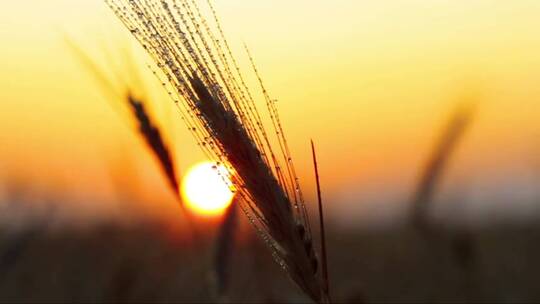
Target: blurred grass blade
<point>436,165</point>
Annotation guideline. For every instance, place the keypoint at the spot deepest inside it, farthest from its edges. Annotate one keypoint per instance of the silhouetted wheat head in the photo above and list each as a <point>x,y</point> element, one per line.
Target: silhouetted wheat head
<point>205,82</point>
<point>148,130</point>
<point>154,140</point>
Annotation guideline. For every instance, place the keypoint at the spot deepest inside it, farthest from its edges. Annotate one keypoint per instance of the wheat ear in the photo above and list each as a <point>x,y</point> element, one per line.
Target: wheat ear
<point>201,75</point>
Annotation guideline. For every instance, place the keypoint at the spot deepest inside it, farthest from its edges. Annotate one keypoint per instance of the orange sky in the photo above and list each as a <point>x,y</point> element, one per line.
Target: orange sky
<point>370,81</point>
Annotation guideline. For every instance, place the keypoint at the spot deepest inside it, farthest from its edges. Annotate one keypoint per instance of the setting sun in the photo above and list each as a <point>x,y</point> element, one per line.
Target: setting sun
<point>205,189</point>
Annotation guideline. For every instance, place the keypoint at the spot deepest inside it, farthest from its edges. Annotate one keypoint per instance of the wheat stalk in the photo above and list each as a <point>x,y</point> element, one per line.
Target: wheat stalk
<point>224,246</point>
<point>431,175</point>
<point>203,78</point>
<point>462,244</point>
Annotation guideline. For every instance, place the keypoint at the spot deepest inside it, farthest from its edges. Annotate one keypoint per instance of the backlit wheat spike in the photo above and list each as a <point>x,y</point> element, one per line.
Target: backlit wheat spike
<point>294,185</point>
<point>154,140</point>
<point>148,130</point>
<point>246,108</point>
<point>240,83</point>
<point>203,78</point>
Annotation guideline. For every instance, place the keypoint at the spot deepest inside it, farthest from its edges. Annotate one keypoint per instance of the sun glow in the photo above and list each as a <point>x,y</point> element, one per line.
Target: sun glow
<point>205,189</point>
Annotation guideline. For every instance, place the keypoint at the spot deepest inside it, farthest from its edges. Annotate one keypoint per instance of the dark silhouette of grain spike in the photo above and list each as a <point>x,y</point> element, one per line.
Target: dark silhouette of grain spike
<point>293,245</point>
<point>197,68</point>
<point>147,128</point>
<point>224,246</point>
<point>154,141</point>
<point>434,169</point>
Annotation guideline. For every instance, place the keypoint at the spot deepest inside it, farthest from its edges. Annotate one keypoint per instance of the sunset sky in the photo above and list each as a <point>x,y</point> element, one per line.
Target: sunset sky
<point>372,82</point>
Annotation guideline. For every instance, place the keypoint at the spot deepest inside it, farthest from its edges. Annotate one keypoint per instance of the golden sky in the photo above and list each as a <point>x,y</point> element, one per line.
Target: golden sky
<point>370,81</point>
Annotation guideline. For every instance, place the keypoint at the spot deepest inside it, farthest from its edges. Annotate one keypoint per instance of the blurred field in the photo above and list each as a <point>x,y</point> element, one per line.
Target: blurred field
<point>155,261</point>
